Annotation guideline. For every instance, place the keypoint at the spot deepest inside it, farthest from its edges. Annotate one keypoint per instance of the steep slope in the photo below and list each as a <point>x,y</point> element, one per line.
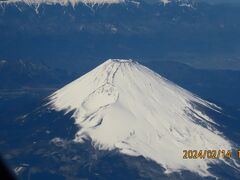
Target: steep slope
<point>125,106</point>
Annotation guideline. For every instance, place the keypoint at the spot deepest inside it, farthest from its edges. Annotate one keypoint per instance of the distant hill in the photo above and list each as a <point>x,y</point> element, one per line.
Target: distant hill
<point>25,74</point>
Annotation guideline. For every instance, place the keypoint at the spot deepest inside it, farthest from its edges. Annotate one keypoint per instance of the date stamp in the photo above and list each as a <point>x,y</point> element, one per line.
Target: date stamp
<point>208,154</point>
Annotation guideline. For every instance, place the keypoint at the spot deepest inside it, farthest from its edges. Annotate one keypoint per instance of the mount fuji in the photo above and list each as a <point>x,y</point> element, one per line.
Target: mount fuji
<point>124,106</point>
<point>121,120</point>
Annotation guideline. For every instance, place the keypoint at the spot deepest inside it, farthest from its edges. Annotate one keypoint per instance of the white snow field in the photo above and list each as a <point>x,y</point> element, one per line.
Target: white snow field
<point>125,106</point>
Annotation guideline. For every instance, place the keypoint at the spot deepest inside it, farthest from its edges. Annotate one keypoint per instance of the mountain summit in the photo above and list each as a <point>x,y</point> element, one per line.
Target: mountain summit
<point>125,106</point>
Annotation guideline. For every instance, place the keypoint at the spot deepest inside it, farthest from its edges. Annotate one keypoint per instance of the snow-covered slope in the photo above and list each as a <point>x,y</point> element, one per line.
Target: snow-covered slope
<point>125,106</point>
<point>63,2</point>
<point>74,2</point>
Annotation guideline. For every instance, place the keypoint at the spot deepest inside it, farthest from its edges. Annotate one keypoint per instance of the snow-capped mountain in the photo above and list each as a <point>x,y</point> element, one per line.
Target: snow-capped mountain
<point>143,30</point>
<point>74,2</point>
<point>122,105</point>
<point>64,2</point>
